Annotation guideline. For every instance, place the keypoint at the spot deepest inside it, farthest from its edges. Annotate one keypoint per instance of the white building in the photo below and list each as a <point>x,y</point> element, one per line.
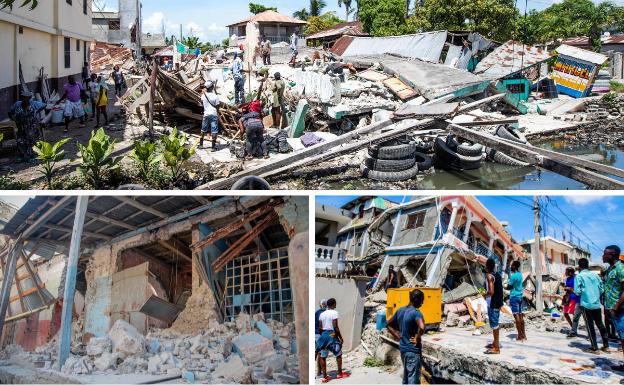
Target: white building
<point>122,27</point>
<point>556,254</point>
<point>55,35</point>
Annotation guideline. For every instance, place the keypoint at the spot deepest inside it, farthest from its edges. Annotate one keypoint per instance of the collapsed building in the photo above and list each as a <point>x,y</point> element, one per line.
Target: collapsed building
<point>152,289</point>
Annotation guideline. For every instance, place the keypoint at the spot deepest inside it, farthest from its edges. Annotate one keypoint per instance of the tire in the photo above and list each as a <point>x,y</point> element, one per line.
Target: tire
<point>451,160</point>
<point>502,158</point>
<point>382,176</point>
<point>424,161</point>
<point>510,134</point>
<point>389,164</point>
<point>400,151</point>
<point>475,149</point>
<point>251,183</point>
<point>424,147</point>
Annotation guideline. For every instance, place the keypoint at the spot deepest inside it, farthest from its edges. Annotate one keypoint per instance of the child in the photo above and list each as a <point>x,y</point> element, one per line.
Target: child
<point>101,100</point>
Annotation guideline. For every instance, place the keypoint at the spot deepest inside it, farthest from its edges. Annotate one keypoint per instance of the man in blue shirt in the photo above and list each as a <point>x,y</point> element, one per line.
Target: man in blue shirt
<point>239,80</point>
<point>411,325</point>
<point>317,333</point>
<point>514,285</point>
<point>588,286</point>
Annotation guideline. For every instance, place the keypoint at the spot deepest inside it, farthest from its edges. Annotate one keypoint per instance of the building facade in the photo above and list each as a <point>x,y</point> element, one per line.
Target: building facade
<point>122,27</point>
<point>55,36</point>
<point>556,255</point>
<point>274,25</point>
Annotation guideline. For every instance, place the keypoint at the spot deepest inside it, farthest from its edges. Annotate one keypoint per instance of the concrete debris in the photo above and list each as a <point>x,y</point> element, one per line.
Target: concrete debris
<point>196,315</point>
<point>230,352</point>
<point>126,339</point>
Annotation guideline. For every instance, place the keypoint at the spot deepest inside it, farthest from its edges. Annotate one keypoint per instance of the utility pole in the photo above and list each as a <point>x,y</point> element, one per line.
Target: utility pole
<point>537,262</point>
<point>181,39</point>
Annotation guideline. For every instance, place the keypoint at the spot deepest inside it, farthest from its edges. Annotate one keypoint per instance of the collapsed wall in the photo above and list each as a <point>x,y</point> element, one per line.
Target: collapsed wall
<point>199,311</point>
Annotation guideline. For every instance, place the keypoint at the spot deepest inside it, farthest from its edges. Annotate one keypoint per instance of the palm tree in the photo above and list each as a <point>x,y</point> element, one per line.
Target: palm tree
<point>316,7</point>
<point>302,14</point>
<point>347,4</point>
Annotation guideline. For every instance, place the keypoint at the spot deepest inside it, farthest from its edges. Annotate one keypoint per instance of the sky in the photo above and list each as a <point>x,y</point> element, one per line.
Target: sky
<point>207,18</point>
<point>595,220</point>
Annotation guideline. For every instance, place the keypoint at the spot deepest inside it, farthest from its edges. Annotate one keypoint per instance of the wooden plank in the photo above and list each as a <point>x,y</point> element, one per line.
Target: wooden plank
<point>400,88</point>
<point>486,123</point>
<point>590,178</point>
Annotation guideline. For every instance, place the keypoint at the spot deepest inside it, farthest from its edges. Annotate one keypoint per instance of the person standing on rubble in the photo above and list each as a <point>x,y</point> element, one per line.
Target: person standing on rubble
<point>73,96</point>
<point>589,287</point>
<point>25,114</point>
<point>572,306</point>
<point>266,51</point>
<point>410,323</point>
<point>277,110</point>
<point>239,80</point>
<point>317,333</point>
<point>393,280</point>
<point>210,121</point>
<point>614,293</point>
<point>330,340</point>
<point>495,296</point>
<point>119,79</point>
<point>514,285</point>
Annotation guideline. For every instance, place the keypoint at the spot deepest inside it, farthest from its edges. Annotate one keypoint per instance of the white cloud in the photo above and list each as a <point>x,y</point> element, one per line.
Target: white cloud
<point>583,200</point>
<point>154,23</point>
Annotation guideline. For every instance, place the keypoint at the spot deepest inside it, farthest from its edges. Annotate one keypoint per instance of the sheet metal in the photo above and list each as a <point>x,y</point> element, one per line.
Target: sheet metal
<point>160,309</point>
<point>582,54</point>
<point>424,46</point>
<point>509,58</point>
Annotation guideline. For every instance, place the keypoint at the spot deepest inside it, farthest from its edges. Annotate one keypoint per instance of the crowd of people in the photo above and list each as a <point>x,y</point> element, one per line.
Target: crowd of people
<point>79,98</point>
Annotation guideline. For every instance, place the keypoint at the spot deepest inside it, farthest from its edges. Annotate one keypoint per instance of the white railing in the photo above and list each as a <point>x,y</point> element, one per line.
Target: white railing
<point>329,260</point>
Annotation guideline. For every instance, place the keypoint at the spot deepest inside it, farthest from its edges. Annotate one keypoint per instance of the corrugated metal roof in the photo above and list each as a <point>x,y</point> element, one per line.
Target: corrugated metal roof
<point>578,41</point>
<point>509,58</point>
<point>353,28</point>
<point>613,39</point>
<point>270,17</point>
<point>582,54</point>
<point>424,46</point>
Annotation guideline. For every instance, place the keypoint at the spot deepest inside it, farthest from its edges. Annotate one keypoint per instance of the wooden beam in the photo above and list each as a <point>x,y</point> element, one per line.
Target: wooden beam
<point>237,247</point>
<point>529,155</point>
<point>141,206</point>
<point>70,279</point>
<point>486,123</point>
<point>7,280</point>
<point>178,248</point>
<point>235,225</point>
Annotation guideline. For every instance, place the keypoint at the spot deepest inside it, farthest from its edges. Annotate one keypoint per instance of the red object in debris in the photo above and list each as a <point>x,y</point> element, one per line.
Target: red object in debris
<point>326,379</point>
<point>255,106</point>
<point>570,360</point>
<point>342,375</point>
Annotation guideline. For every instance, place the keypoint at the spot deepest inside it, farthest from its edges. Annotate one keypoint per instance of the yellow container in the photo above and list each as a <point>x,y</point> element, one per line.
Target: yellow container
<point>431,307</point>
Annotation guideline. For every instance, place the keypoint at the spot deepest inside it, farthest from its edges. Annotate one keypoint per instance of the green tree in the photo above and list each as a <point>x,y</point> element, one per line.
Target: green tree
<point>226,42</point>
<point>316,7</point>
<point>323,22</point>
<point>49,155</point>
<point>495,19</point>
<point>383,17</point>
<point>192,42</point>
<point>259,8</point>
<point>302,14</point>
<point>9,3</point>
<point>348,7</point>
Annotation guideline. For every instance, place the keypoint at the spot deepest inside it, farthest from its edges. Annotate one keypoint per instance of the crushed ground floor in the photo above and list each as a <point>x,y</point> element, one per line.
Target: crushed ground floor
<point>181,289</point>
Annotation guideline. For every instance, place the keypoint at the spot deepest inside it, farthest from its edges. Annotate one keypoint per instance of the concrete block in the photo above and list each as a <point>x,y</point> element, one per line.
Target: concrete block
<point>232,371</point>
<point>188,376</point>
<point>106,361</point>
<point>152,364</point>
<point>276,362</point>
<point>126,339</point>
<point>264,329</point>
<point>283,378</point>
<point>99,345</point>
<point>153,346</point>
<point>253,347</point>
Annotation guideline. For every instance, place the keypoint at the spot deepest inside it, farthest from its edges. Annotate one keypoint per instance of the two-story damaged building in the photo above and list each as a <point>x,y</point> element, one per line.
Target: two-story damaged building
<point>438,242</point>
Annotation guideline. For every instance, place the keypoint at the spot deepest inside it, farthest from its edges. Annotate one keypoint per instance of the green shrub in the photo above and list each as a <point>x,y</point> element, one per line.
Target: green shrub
<point>145,155</point>
<point>373,362</point>
<point>175,153</point>
<point>97,157</point>
<point>49,155</point>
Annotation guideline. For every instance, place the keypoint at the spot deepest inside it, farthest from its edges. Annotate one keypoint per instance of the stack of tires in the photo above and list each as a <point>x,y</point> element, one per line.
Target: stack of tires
<point>451,155</point>
<point>395,162</point>
<point>508,133</point>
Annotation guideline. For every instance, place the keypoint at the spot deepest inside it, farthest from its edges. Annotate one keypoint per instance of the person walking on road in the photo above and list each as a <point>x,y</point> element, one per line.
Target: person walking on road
<point>614,293</point>
<point>571,305</point>
<point>330,340</point>
<point>119,79</point>
<point>73,96</point>
<point>25,114</point>
<point>514,284</point>
<point>495,295</point>
<point>588,286</point>
<point>408,325</point>
<point>317,333</point>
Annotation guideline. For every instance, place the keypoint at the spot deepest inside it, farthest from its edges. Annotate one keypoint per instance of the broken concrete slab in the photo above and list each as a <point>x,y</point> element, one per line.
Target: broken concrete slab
<point>98,346</point>
<point>253,347</point>
<point>126,339</point>
<point>233,370</point>
<point>440,110</point>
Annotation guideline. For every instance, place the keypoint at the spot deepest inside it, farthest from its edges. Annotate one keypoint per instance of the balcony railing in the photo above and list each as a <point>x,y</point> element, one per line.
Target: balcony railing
<point>329,260</point>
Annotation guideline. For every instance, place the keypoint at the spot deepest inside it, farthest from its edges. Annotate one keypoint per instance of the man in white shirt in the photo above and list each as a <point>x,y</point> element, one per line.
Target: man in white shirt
<point>330,340</point>
<point>210,122</point>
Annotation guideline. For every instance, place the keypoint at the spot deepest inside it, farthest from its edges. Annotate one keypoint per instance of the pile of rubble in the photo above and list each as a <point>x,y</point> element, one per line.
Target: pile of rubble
<point>249,350</point>
<point>608,130</point>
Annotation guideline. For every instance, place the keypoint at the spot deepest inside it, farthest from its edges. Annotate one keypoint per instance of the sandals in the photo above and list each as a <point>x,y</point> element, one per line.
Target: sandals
<point>326,379</point>
<point>492,351</point>
<point>342,375</point>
